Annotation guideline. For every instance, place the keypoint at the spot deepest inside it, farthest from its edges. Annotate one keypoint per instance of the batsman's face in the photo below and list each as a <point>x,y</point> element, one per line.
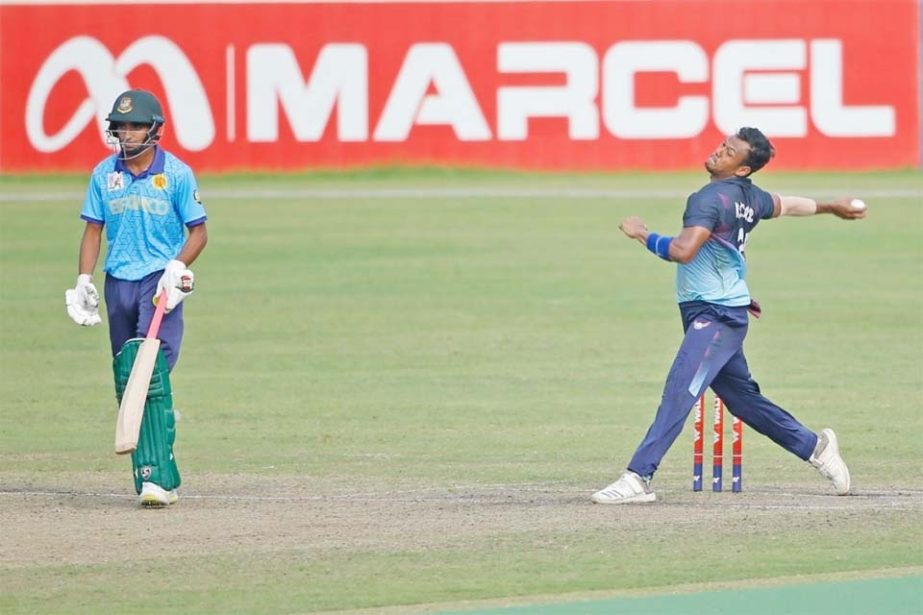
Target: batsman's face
<point>132,138</point>
<point>728,159</point>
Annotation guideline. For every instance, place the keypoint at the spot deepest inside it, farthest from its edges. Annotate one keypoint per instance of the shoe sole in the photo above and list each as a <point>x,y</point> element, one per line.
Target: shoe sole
<point>149,501</point>
<point>635,499</point>
<point>153,503</point>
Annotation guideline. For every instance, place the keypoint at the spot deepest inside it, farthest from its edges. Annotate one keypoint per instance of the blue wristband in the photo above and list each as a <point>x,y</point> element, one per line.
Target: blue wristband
<point>659,245</point>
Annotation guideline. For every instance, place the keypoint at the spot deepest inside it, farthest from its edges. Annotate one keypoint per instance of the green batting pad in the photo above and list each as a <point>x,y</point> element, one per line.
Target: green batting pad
<point>153,461</point>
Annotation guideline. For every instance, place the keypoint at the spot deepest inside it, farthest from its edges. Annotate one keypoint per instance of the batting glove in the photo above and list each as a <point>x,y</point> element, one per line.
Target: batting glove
<point>177,282</point>
<point>82,302</point>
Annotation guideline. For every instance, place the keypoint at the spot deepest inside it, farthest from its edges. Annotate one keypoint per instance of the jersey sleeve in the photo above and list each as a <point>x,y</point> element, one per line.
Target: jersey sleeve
<point>702,210</point>
<point>92,210</point>
<point>188,203</point>
<point>764,204</point>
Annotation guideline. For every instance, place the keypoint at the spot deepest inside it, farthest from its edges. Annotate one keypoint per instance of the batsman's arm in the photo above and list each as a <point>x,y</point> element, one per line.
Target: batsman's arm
<point>89,248</point>
<point>195,243</point>
<point>679,249</point>
<point>845,208</point>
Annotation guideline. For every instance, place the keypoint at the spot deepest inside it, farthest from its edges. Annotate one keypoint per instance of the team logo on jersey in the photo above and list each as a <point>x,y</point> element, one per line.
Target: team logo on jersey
<point>159,181</point>
<point>115,181</point>
<point>125,105</point>
<point>197,198</point>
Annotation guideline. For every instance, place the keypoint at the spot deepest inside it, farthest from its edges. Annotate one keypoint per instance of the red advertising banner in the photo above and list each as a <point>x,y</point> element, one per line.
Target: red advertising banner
<point>535,85</point>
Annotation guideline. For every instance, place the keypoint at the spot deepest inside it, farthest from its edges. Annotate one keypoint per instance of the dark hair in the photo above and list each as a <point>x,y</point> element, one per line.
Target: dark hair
<point>761,150</point>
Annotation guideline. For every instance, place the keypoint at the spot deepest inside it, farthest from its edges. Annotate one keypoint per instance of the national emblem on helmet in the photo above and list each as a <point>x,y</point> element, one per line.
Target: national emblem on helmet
<point>134,107</point>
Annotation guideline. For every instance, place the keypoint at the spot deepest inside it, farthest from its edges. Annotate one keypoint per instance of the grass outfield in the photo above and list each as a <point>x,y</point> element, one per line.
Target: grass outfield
<point>399,388</point>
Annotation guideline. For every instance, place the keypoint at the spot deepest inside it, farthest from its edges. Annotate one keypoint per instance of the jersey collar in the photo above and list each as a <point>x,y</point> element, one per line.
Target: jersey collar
<point>741,180</point>
<point>156,167</point>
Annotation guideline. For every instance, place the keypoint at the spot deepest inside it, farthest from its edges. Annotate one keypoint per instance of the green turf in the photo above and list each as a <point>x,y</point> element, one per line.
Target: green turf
<point>440,341</point>
<point>900,596</point>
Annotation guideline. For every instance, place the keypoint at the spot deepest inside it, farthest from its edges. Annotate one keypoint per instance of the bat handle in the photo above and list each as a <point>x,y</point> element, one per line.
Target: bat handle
<point>158,316</point>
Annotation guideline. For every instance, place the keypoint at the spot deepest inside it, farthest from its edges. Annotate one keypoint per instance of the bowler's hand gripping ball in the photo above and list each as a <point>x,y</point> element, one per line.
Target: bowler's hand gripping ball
<point>857,205</point>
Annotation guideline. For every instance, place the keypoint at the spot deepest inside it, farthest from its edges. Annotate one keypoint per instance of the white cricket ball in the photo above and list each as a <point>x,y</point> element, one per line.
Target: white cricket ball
<point>857,204</point>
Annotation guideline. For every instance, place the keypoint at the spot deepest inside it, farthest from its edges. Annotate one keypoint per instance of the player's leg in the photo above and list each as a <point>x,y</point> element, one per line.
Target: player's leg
<point>700,358</point>
<point>154,468</point>
<point>742,396</point>
<point>121,311</point>
<point>709,343</point>
<point>155,447</point>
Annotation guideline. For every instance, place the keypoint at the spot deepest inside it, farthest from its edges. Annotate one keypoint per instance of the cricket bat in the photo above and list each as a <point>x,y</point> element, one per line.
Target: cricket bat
<point>131,410</point>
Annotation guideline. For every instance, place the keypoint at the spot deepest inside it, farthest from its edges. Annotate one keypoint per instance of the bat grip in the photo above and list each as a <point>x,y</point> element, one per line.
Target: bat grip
<point>158,316</point>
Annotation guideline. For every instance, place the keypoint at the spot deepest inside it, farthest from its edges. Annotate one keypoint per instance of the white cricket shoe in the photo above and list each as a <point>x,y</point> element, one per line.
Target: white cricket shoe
<point>629,489</point>
<point>826,458</point>
<point>155,496</point>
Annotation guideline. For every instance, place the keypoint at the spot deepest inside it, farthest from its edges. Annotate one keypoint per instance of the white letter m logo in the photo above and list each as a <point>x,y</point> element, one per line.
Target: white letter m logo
<point>104,76</point>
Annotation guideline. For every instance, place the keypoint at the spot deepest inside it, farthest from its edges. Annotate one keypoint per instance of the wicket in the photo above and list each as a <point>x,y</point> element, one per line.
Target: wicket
<point>717,448</point>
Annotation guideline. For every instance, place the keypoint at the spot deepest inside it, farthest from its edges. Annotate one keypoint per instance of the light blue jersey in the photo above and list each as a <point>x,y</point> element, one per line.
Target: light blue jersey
<point>715,275</point>
<point>730,209</point>
<point>145,216</point>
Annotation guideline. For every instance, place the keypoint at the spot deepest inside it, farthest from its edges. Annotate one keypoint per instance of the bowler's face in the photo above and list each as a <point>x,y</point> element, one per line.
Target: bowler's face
<point>728,159</point>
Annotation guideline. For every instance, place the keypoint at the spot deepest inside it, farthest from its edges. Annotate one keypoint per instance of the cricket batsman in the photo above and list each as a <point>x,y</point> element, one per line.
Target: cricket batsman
<point>147,201</point>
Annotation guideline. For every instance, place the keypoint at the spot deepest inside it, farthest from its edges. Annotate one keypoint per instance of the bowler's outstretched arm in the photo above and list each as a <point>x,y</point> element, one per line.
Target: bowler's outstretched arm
<point>844,208</point>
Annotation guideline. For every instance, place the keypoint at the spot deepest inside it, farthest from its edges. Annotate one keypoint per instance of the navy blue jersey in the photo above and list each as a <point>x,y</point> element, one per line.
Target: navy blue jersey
<point>730,209</point>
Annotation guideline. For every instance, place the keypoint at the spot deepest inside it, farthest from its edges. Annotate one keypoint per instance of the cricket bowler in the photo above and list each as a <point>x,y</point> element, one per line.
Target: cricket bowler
<point>715,305</point>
